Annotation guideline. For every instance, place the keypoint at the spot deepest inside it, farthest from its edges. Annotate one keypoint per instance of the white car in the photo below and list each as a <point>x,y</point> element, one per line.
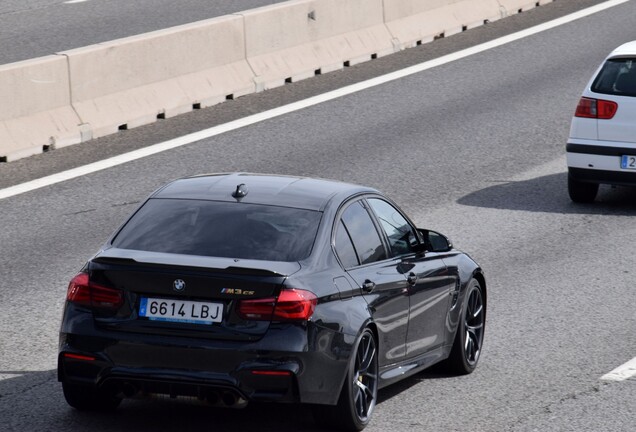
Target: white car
<point>601,148</point>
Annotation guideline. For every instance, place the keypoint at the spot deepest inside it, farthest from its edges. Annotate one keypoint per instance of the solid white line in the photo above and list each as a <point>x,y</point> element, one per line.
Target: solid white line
<point>9,375</point>
<point>246,121</point>
<point>622,373</point>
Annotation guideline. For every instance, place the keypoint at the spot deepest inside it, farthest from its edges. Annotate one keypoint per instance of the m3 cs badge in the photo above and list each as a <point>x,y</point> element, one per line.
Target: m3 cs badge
<point>236,291</point>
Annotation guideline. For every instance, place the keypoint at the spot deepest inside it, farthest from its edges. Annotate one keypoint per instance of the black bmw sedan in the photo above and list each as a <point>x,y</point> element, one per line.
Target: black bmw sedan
<point>245,287</point>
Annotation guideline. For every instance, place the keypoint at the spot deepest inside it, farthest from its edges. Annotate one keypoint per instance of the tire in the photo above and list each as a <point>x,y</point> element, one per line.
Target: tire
<point>359,393</point>
<point>469,338</point>
<point>581,192</point>
<point>84,398</point>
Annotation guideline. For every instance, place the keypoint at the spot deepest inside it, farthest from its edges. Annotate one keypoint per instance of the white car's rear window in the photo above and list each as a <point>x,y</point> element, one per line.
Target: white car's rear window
<point>616,77</point>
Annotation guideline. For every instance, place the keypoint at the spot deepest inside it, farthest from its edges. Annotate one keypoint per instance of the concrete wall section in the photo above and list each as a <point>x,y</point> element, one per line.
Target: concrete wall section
<point>94,91</point>
<point>412,22</point>
<point>292,40</point>
<point>35,111</point>
<point>515,6</point>
<point>131,81</point>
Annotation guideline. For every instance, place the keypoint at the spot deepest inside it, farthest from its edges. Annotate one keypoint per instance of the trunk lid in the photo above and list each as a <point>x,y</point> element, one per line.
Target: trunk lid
<point>190,296</point>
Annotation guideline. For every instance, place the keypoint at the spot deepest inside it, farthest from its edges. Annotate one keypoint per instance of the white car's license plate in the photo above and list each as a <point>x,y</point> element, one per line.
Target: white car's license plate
<point>628,162</point>
<point>180,310</point>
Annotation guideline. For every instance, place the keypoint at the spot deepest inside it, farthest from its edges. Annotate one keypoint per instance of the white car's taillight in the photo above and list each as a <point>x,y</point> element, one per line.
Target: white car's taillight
<point>596,108</point>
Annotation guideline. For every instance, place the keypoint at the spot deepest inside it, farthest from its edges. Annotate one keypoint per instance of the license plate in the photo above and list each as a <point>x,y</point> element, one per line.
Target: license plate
<point>183,311</point>
<point>628,162</point>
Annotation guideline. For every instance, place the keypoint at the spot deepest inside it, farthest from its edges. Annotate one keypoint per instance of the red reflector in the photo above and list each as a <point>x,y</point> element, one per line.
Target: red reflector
<point>596,108</point>
<point>82,291</point>
<point>291,305</point>
<point>271,372</point>
<point>78,357</point>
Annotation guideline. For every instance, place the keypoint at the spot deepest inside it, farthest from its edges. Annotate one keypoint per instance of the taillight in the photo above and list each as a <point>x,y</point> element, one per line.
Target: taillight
<point>596,108</point>
<point>291,305</point>
<point>295,304</point>
<point>256,310</point>
<point>78,291</point>
<point>82,291</point>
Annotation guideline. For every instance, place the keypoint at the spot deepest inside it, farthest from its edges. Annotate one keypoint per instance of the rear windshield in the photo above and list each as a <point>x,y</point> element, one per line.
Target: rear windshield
<point>221,229</point>
<point>617,77</point>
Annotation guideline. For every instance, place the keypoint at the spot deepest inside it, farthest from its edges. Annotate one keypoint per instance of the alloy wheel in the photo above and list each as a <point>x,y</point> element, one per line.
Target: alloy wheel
<point>365,377</point>
<point>474,326</point>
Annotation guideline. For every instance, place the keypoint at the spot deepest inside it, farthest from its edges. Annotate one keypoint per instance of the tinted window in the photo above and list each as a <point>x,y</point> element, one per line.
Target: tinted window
<point>221,229</point>
<point>366,239</point>
<point>399,232</point>
<point>344,247</point>
<point>617,77</point>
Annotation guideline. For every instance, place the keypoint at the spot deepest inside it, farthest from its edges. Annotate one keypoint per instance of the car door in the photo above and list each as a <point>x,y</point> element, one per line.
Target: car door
<point>429,281</point>
<point>363,254</point>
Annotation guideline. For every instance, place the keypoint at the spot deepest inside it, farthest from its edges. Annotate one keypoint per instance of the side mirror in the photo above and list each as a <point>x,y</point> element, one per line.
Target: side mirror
<point>434,241</point>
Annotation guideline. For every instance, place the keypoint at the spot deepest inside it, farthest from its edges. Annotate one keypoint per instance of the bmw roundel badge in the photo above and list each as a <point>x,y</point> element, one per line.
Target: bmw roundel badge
<point>179,285</point>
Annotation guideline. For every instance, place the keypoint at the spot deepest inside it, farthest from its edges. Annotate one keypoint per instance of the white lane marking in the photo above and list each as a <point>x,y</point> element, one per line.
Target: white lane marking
<point>75,1</point>
<point>5,376</point>
<point>622,373</point>
<point>296,106</point>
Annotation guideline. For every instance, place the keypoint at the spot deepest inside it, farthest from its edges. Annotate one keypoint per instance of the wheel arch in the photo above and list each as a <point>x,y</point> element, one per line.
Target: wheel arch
<point>369,324</point>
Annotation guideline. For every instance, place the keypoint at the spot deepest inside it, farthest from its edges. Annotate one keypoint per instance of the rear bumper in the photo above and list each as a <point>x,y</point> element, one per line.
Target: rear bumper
<point>291,363</point>
<point>599,164</point>
<point>233,390</point>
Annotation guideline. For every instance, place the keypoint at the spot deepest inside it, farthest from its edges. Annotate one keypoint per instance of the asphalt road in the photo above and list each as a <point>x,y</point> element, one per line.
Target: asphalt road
<point>473,148</point>
<point>35,28</point>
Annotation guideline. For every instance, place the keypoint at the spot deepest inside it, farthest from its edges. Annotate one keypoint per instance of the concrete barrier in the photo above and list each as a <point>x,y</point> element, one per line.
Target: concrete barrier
<point>515,6</point>
<point>413,22</point>
<point>94,91</point>
<point>294,40</point>
<point>133,81</point>
<point>35,112</point>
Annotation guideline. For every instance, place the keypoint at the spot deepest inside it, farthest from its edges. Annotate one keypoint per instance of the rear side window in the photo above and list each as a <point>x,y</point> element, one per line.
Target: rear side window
<point>616,77</point>
<point>344,247</point>
<point>221,229</point>
<point>365,237</point>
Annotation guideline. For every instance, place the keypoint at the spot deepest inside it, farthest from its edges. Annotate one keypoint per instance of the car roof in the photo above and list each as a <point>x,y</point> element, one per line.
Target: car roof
<point>626,50</point>
<point>278,190</point>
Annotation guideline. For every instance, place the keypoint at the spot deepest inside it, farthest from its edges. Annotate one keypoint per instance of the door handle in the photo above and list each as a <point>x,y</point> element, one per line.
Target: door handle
<point>412,278</point>
<point>368,286</point>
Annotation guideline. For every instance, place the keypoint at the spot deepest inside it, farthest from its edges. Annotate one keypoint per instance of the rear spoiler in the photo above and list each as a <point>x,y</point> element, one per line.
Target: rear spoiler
<point>215,264</point>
